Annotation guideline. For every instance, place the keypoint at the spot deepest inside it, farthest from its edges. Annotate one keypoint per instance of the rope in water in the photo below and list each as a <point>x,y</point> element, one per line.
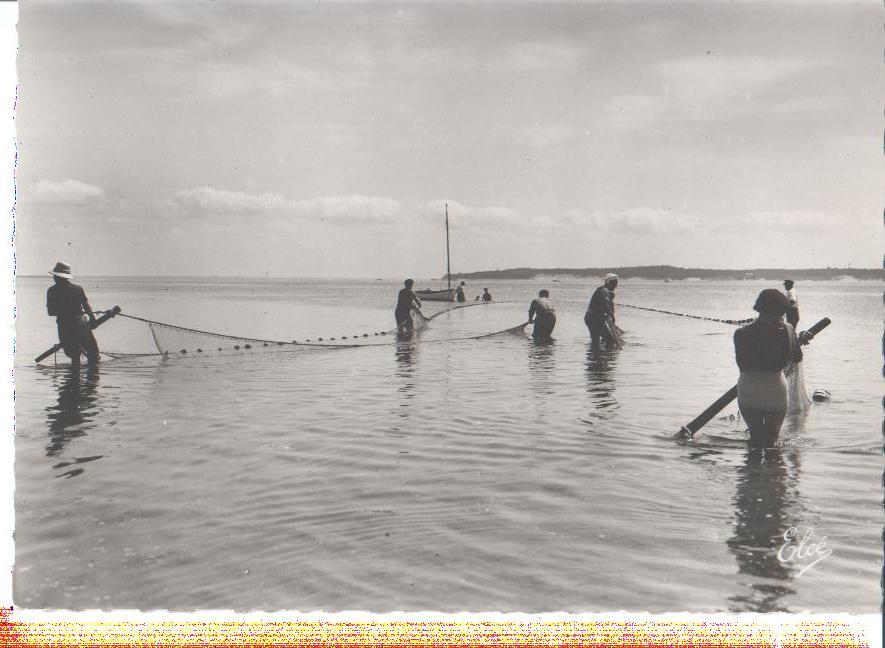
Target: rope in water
<point>708,319</point>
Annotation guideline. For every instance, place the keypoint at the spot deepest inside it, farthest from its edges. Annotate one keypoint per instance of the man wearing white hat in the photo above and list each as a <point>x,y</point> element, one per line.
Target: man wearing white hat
<point>67,302</point>
<point>600,315</point>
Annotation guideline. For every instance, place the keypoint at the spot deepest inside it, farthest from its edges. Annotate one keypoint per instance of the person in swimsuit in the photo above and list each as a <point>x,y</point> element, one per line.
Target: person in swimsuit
<point>543,315</point>
<point>405,301</point>
<point>763,350</point>
<point>67,302</point>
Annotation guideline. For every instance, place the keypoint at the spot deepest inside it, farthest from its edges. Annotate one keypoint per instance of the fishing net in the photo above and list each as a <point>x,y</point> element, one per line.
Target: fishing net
<point>798,400</point>
<point>178,340</point>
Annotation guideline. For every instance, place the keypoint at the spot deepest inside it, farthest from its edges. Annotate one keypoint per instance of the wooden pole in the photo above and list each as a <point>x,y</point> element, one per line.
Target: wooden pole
<point>688,431</point>
<point>448,262</point>
<point>92,325</point>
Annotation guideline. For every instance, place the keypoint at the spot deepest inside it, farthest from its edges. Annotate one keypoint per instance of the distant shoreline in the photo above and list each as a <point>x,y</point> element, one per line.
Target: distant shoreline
<point>664,272</point>
<point>660,273</point>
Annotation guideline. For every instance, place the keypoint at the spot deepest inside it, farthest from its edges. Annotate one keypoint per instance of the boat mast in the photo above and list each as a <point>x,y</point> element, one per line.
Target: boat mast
<point>448,263</point>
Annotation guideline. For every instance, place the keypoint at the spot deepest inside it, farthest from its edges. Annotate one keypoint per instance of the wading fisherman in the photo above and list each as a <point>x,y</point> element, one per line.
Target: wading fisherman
<point>763,350</point>
<point>460,297</point>
<point>67,302</point>
<point>405,301</point>
<point>486,295</point>
<point>793,307</point>
<point>600,315</point>
<point>542,313</point>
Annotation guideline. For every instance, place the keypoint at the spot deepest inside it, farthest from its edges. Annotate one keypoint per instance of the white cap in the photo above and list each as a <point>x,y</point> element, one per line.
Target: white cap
<point>610,276</point>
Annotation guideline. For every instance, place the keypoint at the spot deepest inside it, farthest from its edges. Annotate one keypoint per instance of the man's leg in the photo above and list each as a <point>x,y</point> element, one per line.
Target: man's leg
<point>89,344</point>
<point>69,338</point>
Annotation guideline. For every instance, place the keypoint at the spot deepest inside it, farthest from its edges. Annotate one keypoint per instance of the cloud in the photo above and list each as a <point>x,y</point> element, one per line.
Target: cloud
<point>793,220</point>
<point>547,135</point>
<point>66,192</point>
<point>710,88</point>
<point>546,56</point>
<point>638,220</point>
<point>207,201</point>
<point>716,76</point>
<point>483,217</point>
<point>349,210</point>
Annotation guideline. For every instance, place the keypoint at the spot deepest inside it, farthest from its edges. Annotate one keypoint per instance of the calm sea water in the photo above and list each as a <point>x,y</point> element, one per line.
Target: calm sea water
<point>486,474</point>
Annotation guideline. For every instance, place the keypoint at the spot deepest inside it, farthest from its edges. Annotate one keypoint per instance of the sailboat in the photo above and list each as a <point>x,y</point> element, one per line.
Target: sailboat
<point>444,294</point>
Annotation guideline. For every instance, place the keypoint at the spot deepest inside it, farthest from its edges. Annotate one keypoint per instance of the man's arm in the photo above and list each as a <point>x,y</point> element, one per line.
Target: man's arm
<point>533,307</point>
<point>50,303</point>
<point>86,307</point>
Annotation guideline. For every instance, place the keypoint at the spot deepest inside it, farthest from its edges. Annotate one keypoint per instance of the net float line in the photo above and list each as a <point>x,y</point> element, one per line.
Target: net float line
<point>698,317</point>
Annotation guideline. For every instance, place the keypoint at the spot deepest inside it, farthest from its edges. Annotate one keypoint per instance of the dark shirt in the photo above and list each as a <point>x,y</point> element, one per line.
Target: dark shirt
<point>459,294</point>
<point>602,304</point>
<point>405,299</point>
<point>66,300</point>
<point>766,346</point>
<point>486,296</point>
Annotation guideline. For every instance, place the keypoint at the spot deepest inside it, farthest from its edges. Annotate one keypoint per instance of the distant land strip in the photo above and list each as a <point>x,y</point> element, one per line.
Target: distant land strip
<point>672,272</point>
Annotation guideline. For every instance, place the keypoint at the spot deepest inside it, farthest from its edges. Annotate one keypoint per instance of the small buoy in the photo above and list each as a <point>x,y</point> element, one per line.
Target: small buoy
<point>821,395</point>
<point>265,344</point>
<point>329,338</point>
<point>199,350</point>
<point>343,337</point>
<point>248,346</point>
<point>383,332</point>
<point>183,351</point>
<point>365,335</point>
<point>220,349</point>
<point>237,347</point>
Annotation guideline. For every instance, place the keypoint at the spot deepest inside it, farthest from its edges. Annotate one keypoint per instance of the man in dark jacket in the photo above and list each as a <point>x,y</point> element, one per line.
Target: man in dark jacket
<point>67,302</point>
<point>600,315</point>
<point>406,300</point>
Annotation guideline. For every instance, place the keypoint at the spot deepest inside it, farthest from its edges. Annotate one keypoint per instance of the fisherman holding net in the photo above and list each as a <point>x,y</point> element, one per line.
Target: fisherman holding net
<point>405,302</point>
<point>67,302</point>
<point>543,315</point>
<point>600,315</point>
<point>763,350</point>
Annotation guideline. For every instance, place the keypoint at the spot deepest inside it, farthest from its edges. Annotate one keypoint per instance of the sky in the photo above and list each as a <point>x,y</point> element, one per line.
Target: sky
<point>325,138</point>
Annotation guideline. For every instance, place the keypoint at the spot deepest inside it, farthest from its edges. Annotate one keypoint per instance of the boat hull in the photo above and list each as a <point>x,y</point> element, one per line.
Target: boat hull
<point>447,295</point>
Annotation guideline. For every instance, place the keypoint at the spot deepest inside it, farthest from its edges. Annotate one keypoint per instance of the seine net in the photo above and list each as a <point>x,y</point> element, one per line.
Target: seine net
<point>797,397</point>
<point>178,340</point>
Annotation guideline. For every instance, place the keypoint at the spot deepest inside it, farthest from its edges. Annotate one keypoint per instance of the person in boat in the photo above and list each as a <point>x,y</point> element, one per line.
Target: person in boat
<point>543,315</point>
<point>763,350</point>
<point>67,303</point>
<point>406,300</point>
<point>600,315</point>
<point>486,295</point>
<point>460,297</point>
<point>793,308</point>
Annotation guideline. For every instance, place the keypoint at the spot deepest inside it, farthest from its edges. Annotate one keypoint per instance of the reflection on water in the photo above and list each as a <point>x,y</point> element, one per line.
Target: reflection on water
<point>437,472</point>
<point>73,413</point>
<point>406,353</point>
<point>541,365</point>
<point>766,503</point>
<point>600,370</point>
